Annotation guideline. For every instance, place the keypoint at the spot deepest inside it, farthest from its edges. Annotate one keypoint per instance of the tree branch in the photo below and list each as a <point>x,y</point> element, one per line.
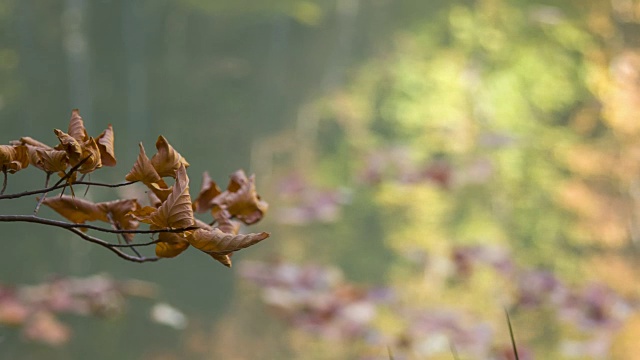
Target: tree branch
<point>75,228</point>
<point>55,187</point>
<point>68,225</point>
<point>135,245</point>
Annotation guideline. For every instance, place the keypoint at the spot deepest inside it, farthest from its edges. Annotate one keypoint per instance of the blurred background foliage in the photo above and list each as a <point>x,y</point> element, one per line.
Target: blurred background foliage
<point>463,155</point>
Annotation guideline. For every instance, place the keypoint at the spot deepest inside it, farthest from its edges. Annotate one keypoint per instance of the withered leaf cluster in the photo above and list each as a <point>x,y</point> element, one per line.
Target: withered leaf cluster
<point>170,207</point>
<point>75,146</point>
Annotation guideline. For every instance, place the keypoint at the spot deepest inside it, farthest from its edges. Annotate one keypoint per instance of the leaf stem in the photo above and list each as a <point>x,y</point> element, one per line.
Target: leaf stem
<point>74,229</point>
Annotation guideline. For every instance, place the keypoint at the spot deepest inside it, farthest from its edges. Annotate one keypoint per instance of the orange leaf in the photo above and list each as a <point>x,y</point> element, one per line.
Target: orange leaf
<point>90,150</point>
<point>170,245</point>
<point>154,199</point>
<point>70,145</point>
<point>76,127</point>
<point>118,213</point>
<point>144,172</point>
<point>76,210</point>
<point>167,160</point>
<point>144,215</point>
<point>241,199</point>
<point>13,158</point>
<point>30,141</point>
<point>224,222</point>
<point>105,143</point>
<point>176,211</point>
<point>208,192</point>
<point>223,259</point>
<point>159,192</point>
<point>217,242</point>
<point>52,160</point>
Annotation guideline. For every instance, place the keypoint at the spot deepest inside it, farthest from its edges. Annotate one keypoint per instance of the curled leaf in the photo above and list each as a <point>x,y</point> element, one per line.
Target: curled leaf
<point>241,199</point>
<point>160,192</point>
<point>223,259</point>
<point>170,245</point>
<point>224,222</point>
<point>105,143</point>
<point>217,242</point>
<point>144,172</point>
<point>76,210</point>
<point>34,158</point>
<point>76,127</point>
<point>118,214</point>
<point>52,161</point>
<point>92,153</point>
<point>70,145</point>
<point>13,158</point>
<point>30,141</point>
<point>154,200</point>
<point>208,191</point>
<point>144,215</point>
<point>175,212</point>
<point>167,160</point>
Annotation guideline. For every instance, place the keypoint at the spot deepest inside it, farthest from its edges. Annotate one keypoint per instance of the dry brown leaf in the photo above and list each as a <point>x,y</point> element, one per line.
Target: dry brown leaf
<point>52,161</point>
<point>76,210</point>
<point>170,245</point>
<point>76,127</point>
<point>144,215</point>
<point>154,200</point>
<point>25,140</point>
<point>208,191</point>
<point>241,199</point>
<point>175,212</point>
<point>34,159</point>
<point>70,145</point>
<point>159,192</point>
<point>13,158</point>
<point>118,213</point>
<point>167,160</point>
<point>224,222</point>
<point>223,259</point>
<point>92,153</point>
<point>217,242</point>
<point>144,172</point>
<point>105,143</point>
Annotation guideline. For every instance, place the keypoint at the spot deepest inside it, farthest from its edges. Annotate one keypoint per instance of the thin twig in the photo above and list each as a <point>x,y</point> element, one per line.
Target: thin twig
<point>63,224</point>
<point>135,252</point>
<point>4,182</point>
<point>46,180</point>
<point>132,245</point>
<point>56,187</point>
<point>72,170</point>
<point>103,184</point>
<point>73,228</point>
<point>88,186</point>
<point>513,340</point>
<point>40,201</point>
<point>65,177</point>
